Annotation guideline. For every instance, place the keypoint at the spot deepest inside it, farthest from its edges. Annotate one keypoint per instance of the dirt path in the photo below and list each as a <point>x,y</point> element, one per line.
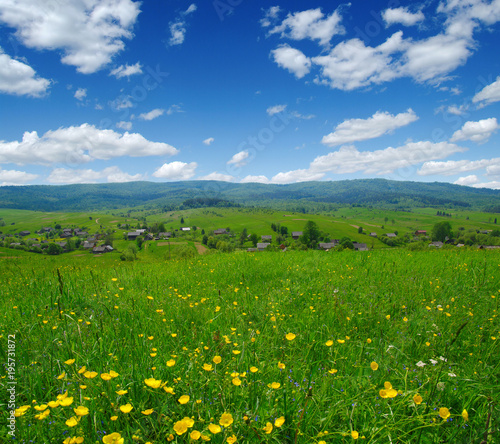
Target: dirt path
<point>201,248</point>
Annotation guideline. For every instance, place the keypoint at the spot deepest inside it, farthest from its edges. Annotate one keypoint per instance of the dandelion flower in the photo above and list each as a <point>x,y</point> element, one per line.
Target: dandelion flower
<point>268,428</point>
<point>354,434</point>
<point>290,336</point>
<point>444,413</point>
<point>279,421</point>
<point>126,408</point>
<point>226,419</point>
<point>417,399</point>
<point>369,341</point>
<point>113,438</point>
<point>184,399</point>
<point>214,428</point>
<point>374,366</point>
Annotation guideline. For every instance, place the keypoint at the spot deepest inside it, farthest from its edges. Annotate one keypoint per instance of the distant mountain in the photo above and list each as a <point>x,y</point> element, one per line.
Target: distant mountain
<point>304,196</point>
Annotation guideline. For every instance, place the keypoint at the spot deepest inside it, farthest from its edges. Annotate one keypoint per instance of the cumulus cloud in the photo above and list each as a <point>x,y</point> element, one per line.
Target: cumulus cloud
<point>80,93</point>
<point>303,175</point>
<point>380,123</point>
<point>239,159</point>
<point>71,176</point>
<point>78,145</point>
<point>20,79</point>
<point>467,180</point>
<point>153,114</point>
<point>489,94</point>
<point>452,167</point>
<point>272,110</point>
<point>209,141</point>
<point>479,131</point>
<point>494,185</point>
<point>126,70</point>
<point>292,59</point>
<point>89,34</point>
<point>255,179</point>
<point>403,16</point>
<point>270,16</point>
<point>311,24</point>
<point>218,176</point>
<point>127,126</point>
<point>13,177</point>
<point>176,170</point>
<point>178,28</point>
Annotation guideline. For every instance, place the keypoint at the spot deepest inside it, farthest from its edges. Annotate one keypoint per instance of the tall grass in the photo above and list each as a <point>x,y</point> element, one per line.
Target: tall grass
<point>306,342</point>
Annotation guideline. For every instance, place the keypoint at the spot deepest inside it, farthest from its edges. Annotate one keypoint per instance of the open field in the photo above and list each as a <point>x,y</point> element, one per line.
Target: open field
<point>294,347</point>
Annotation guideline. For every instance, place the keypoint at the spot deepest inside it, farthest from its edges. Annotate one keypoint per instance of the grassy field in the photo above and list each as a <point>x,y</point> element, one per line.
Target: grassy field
<point>294,347</point>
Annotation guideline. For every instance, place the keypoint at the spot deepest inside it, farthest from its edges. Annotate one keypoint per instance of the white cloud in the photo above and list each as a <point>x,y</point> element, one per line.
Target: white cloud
<point>292,59</point>
<point>176,170</point>
<point>403,16</point>
<point>479,131</point>
<point>255,179</point>
<point>276,109</point>
<point>122,102</point>
<point>20,79</point>
<point>452,167</point>
<point>494,185</point>
<point>380,123</point>
<point>239,159</point>
<point>467,180</point>
<point>489,94</point>
<point>153,114</point>
<point>270,15</point>
<point>192,8</point>
<point>218,176</point>
<point>209,141</point>
<point>351,64</point>
<point>297,176</point>
<point>13,177</point>
<point>174,109</point>
<point>311,24</point>
<point>89,33</point>
<point>297,115</point>
<point>457,110</point>
<point>80,93</point>
<point>178,28</point>
<point>71,176</point>
<point>126,70</point>
<point>124,125</point>
<point>78,145</point>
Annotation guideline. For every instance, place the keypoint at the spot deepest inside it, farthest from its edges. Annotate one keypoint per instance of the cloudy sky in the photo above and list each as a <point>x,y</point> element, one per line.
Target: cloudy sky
<point>249,91</point>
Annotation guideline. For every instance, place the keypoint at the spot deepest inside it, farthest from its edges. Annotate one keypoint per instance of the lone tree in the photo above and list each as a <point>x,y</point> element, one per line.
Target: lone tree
<point>441,231</point>
<point>311,233</point>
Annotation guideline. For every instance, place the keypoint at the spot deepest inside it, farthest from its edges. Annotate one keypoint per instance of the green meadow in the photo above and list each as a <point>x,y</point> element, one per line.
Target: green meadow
<point>277,347</point>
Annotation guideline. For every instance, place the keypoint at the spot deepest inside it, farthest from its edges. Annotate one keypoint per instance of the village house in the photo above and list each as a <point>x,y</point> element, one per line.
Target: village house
<point>164,235</point>
<point>261,246</point>
<point>24,233</point>
<point>133,235</point>
<point>87,245</point>
<point>420,233</point>
<point>185,228</point>
<point>296,234</point>
<point>436,244</point>
<point>373,234</point>
<point>390,235</point>
<point>102,249</point>
<point>220,231</point>
<point>359,247</point>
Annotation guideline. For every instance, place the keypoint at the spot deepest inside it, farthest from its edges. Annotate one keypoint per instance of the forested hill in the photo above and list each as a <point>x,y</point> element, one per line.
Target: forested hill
<point>298,196</point>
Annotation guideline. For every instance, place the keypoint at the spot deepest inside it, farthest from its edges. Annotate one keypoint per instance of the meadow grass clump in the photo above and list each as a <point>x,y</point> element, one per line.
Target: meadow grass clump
<point>295,347</point>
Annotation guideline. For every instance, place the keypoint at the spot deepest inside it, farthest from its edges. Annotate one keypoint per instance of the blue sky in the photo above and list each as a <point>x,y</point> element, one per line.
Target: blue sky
<point>249,91</point>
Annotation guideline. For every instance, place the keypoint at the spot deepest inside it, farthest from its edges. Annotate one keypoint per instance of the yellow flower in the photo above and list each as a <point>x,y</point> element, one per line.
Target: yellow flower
<point>189,421</point>
<point>73,440</point>
<point>62,375</point>
<point>217,359</point>
<point>180,427</point>
<point>231,439</point>
<point>340,341</point>
<point>279,421</point>
<point>113,438</point>
<point>126,408</point>
<point>369,341</point>
<point>388,317</point>
<point>21,411</point>
<point>106,376</point>
<point>72,422</point>
<point>275,385</point>
<point>417,399</point>
<point>405,319</point>
<point>152,382</point>
<point>82,370</point>
<point>169,390</point>
<point>81,411</point>
<point>184,399</point>
<point>268,428</point>
<point>254,369</point>
<point>90,375</point>
<point>236,352</point>
<point>214,428</point>
<point>236,381</point>
<point>69,361</point>
<point>290,336</point>
<point>333,371</point>
<point>387,385</point>
<point>66,401</point>
<point>53,404</point>
<point>147,412</point>
<point>40,408</point>
<point>374,366</point>
<point>207,367</point>
<point>171,363</point>
<point>114,418</point>
<point>226,419</point>
<point>329,343</point>
<point>122,392</point>
<point>465,415</point>
<point>281,366</point>
<point>444,413</point>
<point>354,434</point>
<point>195,435</point>
<point>113,374</point>
<point>42,415</point>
